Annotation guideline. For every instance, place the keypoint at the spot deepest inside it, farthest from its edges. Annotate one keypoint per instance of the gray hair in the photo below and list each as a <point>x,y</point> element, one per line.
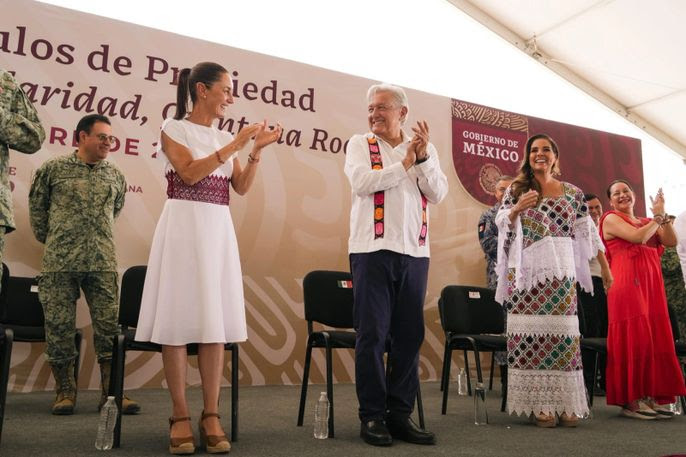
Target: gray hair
<point>398,93</point>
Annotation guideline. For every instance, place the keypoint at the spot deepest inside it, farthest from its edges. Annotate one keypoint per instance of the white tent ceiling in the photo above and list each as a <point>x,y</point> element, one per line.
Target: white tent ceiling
<point>629,54</point>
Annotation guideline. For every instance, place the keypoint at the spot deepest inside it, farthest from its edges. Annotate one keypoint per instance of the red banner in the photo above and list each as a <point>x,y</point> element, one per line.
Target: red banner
<point>488,143</point>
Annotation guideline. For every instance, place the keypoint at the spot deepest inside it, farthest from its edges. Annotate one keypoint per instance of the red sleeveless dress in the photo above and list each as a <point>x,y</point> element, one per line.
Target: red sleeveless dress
<point>641,360</point>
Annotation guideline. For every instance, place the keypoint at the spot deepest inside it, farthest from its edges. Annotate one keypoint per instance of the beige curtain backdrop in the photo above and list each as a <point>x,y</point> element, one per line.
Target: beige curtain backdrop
<point>294,219</point>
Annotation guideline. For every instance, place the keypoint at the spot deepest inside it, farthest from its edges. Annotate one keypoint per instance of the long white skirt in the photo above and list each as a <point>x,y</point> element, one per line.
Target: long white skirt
<point>194,286</point>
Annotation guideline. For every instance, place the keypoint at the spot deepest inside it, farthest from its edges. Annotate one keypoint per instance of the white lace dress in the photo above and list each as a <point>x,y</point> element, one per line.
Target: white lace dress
<point>194,286</point>
<point>540,259</point>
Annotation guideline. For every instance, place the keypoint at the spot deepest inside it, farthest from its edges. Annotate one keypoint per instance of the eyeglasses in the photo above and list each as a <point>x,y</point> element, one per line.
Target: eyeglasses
<point>106,138</point>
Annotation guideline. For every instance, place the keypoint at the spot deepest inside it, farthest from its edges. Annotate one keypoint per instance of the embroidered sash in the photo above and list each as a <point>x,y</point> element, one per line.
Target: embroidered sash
<point>425,228</point>
<point>377,164</point>
<point>379,197</point>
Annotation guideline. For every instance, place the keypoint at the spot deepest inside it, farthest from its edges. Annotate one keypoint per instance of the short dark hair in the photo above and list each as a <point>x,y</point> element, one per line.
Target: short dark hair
<point>618,181</point>
<point>589,196</point>
<point>86,123</point>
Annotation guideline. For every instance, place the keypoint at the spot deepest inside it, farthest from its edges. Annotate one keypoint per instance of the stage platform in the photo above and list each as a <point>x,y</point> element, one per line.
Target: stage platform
<point>267,427</point>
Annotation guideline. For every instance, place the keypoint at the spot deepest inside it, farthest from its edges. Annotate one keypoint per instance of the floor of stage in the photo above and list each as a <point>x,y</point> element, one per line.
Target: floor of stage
<point>267,427</point>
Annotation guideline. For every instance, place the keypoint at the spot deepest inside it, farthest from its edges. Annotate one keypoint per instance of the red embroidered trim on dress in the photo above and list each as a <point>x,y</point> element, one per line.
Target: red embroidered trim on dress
<point>212,189</point>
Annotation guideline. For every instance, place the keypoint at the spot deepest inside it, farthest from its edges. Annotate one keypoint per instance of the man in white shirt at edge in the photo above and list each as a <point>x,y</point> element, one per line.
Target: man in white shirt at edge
<point>680,229</point>
<point>393,178</point>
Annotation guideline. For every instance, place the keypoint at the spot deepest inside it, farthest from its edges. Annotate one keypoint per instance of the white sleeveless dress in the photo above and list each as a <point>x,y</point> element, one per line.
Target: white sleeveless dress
<point>194,287</point>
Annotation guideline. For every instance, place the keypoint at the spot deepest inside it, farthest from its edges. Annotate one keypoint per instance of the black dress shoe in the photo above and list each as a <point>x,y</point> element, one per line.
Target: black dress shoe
<point>374,432</point>
<point>406,430</point>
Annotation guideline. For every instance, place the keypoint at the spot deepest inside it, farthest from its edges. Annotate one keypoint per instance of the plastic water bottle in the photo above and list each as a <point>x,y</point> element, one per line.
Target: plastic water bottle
<point>480,413</point>
<point>108,419</point>
<point>321,417</point>
<point>462,382</point>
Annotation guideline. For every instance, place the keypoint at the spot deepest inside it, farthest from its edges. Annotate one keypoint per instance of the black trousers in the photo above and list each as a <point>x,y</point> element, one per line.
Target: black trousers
<point>593,323</point>
<point>389,290</point>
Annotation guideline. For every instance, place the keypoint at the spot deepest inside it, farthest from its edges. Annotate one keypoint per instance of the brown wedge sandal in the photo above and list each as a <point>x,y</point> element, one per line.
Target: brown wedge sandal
<point>215,444</point>
<point>545,420</point>
<point>180,446</point>
<point>567,420</point>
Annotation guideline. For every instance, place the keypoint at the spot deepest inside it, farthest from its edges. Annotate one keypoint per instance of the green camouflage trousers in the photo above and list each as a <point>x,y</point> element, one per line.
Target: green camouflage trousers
<point>674,287</point>
<point>58,292</point>
<point>676,297</point>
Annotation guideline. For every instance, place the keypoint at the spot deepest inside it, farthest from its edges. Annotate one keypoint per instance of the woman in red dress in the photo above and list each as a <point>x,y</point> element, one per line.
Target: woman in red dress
<point>643,373</point>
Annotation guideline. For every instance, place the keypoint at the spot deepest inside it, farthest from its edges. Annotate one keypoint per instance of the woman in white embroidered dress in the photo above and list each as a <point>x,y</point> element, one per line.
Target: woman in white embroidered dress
<point>193,288</point>
<point>545,239</point>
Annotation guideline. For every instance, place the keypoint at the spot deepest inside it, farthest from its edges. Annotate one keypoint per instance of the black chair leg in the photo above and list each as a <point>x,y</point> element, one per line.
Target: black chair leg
<point>446,380</point>
<point>6,354</point>
<point>490,378</point>
<point>590,389</point>
<point>234,391</point>
<point>466,369</point>
<point>420,408</point>
<point>78,337</point>
<point>503,382</point>
<point>116,387</point>
<point>479,373</point>
<point>303,390</point>
<point>329,386</point>
<point>446,364</point>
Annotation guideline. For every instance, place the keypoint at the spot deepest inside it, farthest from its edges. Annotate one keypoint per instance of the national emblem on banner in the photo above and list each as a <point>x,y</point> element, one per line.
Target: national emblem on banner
<point>487,143</point>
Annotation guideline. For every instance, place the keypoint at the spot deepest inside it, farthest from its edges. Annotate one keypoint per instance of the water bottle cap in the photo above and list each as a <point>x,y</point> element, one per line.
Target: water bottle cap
<point>110,397</point>
<point>322,393</point>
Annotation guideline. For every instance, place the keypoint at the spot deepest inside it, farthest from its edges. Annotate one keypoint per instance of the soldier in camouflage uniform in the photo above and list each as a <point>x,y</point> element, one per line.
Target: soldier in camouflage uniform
<point>73,202</point>
<point>21,130</point>
<point>488,232</point>
<point>674,287</point>
<point>488,238</point>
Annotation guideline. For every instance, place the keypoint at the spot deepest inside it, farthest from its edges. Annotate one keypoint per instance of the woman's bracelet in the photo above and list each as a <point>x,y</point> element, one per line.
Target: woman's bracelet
<point>219,159</point>
<point>659,219</point>
<point>252,159</point>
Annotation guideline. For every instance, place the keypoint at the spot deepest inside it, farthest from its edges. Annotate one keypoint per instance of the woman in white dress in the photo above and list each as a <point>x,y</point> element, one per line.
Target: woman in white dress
<point>193,288</point>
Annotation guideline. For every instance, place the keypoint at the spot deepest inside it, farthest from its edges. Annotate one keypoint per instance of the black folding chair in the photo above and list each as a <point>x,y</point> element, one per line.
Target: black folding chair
<point>6,338</point>
<point>597,346</point>
<point>22,313</point>
<point>472,321</point>
<point>22,321</point>
<point>328,297</point>
<point>129,307</point>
